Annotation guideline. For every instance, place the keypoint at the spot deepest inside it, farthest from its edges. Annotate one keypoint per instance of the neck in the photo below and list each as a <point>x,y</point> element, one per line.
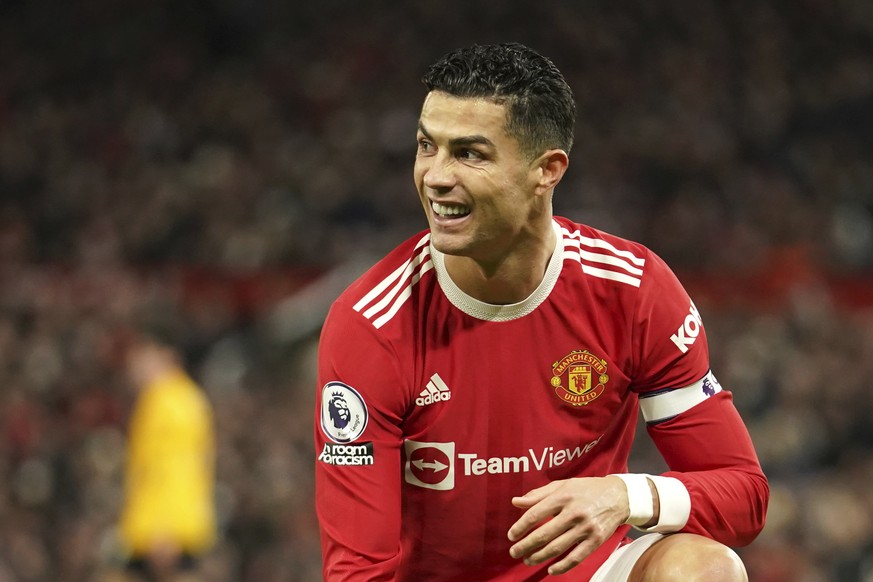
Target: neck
<point>510,278</point>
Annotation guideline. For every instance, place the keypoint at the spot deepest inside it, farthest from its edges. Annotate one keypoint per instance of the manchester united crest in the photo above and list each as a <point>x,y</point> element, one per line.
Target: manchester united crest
<point>579,377</point>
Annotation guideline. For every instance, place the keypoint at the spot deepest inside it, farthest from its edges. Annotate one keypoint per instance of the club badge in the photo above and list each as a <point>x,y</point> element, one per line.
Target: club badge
<point>579,377</point>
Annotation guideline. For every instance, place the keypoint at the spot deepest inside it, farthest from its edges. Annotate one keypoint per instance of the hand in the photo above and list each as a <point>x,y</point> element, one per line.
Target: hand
<point>584,512</point>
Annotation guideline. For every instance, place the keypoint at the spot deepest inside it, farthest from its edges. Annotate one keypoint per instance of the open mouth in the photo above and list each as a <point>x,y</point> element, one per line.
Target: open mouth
<point>449,210</point>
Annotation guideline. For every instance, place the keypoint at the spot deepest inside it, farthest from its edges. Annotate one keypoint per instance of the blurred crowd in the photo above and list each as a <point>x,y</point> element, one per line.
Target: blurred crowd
<point>200,163</point>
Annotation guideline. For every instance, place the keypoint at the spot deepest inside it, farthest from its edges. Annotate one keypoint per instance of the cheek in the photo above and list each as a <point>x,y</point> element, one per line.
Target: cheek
<point>512,205</point>
<point>418,176</point>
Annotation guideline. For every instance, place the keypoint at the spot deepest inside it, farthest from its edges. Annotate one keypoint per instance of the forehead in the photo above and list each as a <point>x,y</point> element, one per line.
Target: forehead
<point>444,115</point>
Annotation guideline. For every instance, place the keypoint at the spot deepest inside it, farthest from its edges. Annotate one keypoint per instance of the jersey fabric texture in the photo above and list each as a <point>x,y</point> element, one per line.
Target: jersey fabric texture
<point>170,469</point>
<point>435,409</point>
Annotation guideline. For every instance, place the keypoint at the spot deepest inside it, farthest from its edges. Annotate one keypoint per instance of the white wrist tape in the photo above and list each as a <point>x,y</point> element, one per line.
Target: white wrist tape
<point>639,497</point>
<point>675,504</point>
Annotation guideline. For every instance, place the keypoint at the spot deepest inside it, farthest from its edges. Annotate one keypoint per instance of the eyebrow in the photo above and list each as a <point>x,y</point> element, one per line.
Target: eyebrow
<point>466,140</point>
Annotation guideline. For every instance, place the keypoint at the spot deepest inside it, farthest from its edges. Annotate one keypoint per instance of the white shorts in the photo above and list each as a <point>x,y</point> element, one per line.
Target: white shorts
<point>618,566</point>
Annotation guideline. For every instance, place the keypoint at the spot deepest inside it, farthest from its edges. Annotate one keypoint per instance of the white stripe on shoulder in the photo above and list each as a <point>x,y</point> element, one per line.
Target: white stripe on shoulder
<point>404,295</point>
<point>604,255</point>
<point>403,279</point>
<point>378,289</point>
<point>663,405</point>
<point>602,244</point>
<point>611,275</point>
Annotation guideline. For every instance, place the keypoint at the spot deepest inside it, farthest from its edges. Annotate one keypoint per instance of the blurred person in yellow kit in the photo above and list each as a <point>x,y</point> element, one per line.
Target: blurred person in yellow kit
<point>168,516</point>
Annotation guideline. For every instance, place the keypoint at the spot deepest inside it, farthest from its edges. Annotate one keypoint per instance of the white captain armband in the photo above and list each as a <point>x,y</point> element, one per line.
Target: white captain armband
<point>664,405</point>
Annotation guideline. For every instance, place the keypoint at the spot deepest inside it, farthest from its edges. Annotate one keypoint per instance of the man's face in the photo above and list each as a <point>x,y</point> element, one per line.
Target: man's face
<point>475,185</point>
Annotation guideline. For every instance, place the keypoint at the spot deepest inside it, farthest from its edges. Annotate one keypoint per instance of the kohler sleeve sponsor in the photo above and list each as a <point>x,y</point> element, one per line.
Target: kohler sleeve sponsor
<point>687,333</point>
<point>347,455</point>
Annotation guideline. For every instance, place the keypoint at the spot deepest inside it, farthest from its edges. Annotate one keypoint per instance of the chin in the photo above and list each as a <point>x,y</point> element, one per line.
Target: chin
<point>446,245</point>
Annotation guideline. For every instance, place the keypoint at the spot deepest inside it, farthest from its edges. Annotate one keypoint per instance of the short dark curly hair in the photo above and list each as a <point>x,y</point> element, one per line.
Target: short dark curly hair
<point>541,107</point>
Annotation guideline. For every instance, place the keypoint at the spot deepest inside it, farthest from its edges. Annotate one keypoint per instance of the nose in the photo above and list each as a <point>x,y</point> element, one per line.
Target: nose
<point>438,173</point>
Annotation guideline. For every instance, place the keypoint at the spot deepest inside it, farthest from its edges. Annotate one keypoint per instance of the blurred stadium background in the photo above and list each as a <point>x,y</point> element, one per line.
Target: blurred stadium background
<point>226,166</point>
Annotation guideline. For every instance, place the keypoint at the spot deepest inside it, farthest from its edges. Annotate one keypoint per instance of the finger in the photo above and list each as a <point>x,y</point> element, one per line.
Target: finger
<point>541,524</point>
<point>584,549</point>
<point>539,538</point>
<point>534,516</point>
<point>536,495</point>
<point>557,546</point>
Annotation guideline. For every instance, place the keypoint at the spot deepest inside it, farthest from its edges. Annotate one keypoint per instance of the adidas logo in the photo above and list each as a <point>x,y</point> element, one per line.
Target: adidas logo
<point>436,391</point>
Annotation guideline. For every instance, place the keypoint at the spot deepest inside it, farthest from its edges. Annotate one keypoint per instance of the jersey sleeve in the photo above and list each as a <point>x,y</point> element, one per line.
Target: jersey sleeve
<point>669,341</point>
<point>359,405</point>
<point>709,451</point>
<point>715,486</point>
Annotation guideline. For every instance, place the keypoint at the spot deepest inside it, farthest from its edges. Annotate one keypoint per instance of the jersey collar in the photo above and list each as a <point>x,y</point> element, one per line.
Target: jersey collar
<point>489,312</point>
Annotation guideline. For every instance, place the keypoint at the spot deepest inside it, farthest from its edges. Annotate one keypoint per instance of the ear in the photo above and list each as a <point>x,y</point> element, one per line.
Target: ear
<point>549,169</point>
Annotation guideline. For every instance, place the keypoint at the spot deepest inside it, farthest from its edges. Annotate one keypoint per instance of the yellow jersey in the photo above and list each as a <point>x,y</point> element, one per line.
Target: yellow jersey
<point>170,469</point>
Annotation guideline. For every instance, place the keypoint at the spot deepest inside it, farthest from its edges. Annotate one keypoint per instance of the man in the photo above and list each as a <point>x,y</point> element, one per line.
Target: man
<point>168,519</point>
<point>491,369</point>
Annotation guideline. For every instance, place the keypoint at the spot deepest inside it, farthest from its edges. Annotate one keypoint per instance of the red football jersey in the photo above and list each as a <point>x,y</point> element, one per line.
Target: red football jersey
<point>435,409</point>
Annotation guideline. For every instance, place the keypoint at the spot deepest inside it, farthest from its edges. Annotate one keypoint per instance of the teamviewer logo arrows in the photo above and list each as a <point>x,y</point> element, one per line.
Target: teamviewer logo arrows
<point>436,466</point>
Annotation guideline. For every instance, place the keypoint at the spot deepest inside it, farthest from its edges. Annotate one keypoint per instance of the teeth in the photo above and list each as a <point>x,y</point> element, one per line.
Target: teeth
<point>444,210</point>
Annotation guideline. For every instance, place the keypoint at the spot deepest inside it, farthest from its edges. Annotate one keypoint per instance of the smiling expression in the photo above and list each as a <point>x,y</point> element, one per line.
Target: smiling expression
<point>477,188</point>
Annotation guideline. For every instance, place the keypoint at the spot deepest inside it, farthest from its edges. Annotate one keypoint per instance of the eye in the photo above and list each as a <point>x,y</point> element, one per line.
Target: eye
<point>469,155</point>
<point>424,146</point>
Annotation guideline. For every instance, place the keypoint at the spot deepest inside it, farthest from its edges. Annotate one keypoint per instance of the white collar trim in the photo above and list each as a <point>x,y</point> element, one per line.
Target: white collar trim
<point>490,312</point>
